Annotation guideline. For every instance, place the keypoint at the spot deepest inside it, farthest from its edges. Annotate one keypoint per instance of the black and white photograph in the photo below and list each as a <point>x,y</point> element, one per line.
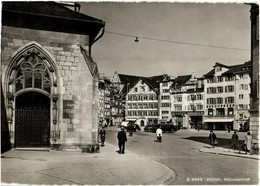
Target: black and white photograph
<point>129,92</point>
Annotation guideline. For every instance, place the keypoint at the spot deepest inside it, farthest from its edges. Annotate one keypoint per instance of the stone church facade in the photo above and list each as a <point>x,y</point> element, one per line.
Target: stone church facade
<point>49,80</point>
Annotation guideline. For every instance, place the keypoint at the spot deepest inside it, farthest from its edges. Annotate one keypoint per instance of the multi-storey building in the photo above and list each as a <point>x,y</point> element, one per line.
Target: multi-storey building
<point>227,97</point>
<point>165,100</point>
<point>120,85</point>
<point>142,100</point>
<point>187,101</point>
<point>104,100</point>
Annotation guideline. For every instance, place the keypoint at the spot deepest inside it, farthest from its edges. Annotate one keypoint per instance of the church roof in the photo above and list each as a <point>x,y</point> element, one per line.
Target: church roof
<point>50,16</point>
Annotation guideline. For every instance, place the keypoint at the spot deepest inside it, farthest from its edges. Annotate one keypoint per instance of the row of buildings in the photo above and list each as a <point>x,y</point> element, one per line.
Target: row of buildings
<point>217,100</point>
<point>52,95</point>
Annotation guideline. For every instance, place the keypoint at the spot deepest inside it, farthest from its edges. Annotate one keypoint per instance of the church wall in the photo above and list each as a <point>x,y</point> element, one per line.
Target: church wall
<point>74,88</point>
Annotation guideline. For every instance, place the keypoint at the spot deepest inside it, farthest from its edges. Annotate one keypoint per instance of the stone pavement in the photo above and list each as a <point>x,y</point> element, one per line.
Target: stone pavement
<point>60,167</point>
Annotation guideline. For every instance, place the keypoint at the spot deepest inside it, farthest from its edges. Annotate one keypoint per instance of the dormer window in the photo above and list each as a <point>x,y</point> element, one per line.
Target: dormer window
<point>218,69</point>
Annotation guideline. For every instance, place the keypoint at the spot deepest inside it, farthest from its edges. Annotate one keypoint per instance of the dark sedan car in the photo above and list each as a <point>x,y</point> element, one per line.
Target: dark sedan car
<point>164,127</point>
<point>168,128</point>
<point>135,127</point>
<point>150,128</point>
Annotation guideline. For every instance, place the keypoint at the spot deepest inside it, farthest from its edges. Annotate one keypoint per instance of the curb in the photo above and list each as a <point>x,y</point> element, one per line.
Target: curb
<point>226,154</point>
<point>162,180</point>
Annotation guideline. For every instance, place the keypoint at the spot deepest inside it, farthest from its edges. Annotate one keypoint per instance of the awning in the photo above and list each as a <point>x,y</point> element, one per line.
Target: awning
<point>218,120</point>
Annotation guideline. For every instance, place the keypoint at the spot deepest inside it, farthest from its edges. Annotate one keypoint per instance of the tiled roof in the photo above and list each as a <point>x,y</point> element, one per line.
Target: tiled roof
<point>180,81</point>
<point>154,81</point>
<point>130,81</point>
<point>45,8</point>
<point>220,64</point>
<point>210,73</point>
<point>236,69</point>
<point>241,68</point>
<point>49,16</point>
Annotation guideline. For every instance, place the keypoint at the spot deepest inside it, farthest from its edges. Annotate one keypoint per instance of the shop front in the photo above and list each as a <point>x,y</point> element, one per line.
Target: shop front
<point>218,123</point>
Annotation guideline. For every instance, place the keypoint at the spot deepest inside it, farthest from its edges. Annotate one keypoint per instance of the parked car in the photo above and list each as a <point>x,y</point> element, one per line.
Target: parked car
<point>150,127</point>
<point>168,128</point>
<point>136,127</point>
<point>164,127</point>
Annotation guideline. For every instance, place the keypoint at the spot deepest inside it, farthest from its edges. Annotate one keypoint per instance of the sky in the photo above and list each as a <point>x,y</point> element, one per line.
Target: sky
<point>161,28</point>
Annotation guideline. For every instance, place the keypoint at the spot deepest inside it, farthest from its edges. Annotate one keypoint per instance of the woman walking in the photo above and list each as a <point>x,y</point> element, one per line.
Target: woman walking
<point>248,143</point>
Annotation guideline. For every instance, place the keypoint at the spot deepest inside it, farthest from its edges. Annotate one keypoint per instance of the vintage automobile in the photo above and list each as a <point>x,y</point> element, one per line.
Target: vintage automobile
<point>164,127</point>
<point>151,128</point>
<point>135,126</point>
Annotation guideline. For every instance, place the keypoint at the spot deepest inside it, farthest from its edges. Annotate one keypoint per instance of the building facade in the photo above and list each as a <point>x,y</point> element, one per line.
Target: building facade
<point>142,103</point>
<point>48,76</point>
<point>187,101</point>
<point>120,84</point>
<point>165,100</point>
<point>104,100</point>
<point>226,97</point>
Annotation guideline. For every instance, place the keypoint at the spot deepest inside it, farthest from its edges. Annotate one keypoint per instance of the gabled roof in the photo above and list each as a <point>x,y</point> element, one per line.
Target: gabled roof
<point>220,64</point>
<point>128,78</point>
<point>241,68</point>
<point>236,69</point>
<point>52,16</point>
<point>155,81</point>
<point>180,81</point>
<point>130,81</point>
<point>210,73</point>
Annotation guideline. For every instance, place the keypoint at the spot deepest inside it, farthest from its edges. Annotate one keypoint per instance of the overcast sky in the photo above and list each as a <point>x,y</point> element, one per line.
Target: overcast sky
<point>224,25</point>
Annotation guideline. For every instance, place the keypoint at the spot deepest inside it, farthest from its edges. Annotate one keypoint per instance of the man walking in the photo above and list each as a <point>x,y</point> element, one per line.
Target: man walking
<point>121,136</point>
<point>234,140</point>
<point>102,134</point>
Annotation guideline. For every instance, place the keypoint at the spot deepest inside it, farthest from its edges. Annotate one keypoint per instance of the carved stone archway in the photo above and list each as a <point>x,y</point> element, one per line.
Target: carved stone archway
<point>33,69</point>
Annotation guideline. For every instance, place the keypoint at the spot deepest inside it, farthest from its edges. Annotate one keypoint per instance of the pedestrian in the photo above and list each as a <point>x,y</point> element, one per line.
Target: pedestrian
<point>198,127</point>
<point>229,129</point>
<point>212,138</point>
<point>131,129</point>
<point>234,140</point>
<point>159,134</point>
<point>248,143</point>
<point>121,136</point>
<point>102,134</point>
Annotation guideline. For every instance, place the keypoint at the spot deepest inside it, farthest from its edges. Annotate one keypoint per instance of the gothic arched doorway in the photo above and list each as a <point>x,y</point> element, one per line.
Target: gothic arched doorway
<point>32,120</point>
<point>32,86</point>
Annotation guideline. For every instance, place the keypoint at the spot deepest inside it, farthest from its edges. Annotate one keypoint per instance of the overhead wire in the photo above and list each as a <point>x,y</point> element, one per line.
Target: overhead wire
<point>175,42</point>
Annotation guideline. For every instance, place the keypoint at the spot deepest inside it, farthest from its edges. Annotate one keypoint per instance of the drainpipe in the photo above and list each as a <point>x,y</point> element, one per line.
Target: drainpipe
<point>97,38</point>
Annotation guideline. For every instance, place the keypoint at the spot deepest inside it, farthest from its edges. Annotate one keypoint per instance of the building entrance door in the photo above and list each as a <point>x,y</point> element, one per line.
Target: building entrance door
<point>32,120</point>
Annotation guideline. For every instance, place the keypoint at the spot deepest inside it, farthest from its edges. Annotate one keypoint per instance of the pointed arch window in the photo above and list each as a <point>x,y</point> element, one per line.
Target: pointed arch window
<point>32,73</point>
